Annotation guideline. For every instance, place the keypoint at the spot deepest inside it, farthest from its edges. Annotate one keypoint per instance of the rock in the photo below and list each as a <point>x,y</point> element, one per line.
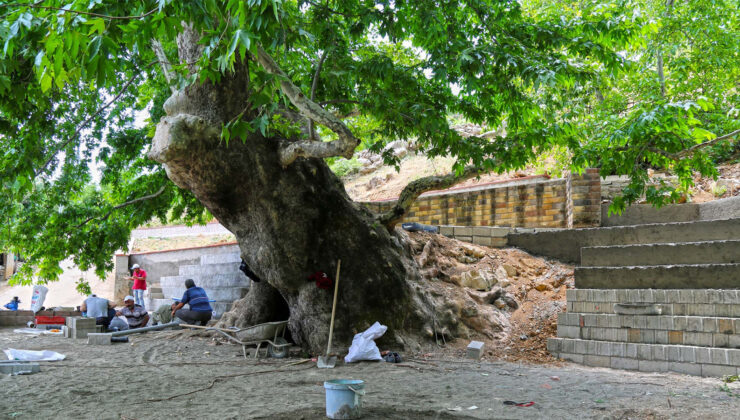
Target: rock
<point>364,162</point>
<point>477,279</point>
<point>523,337</point>
<point>542,286</point>
<point>501,274</point>
<point>427,255</point>
<point>389,176</point>
<point>499,303</point>
<point>504,283</point>
<point>510,301</point>
<point>469,311</point>
<point>494,294</point>
<point>510,270</point>
<point>400,152</point>
<point>456,279</point>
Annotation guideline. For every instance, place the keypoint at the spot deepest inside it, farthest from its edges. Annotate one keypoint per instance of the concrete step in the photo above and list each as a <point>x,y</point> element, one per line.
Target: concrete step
<point>199,270</point>
<point>220,258</point>
<point>159,295</point>
<point>711,252</point>
<point>691,360</point>
<point>234,279</point>
<point>229,294</point>
<point>688,276</point>
<point>566,244</point>
<point>659,329</point>
<point>693,302</point>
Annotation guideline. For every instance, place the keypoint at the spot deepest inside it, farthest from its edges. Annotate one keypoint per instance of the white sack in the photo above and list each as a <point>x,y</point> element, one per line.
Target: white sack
<point>363,345</point>
<point>38,297</point>
<point>43,355</point>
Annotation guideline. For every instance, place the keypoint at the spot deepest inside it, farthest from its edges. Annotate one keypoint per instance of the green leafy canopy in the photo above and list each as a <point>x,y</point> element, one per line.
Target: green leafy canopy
<point>74,75</point>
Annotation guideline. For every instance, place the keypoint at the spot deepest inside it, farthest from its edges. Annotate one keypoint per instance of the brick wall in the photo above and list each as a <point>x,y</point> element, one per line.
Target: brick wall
<point>20,318</point>
<point>528,202</point>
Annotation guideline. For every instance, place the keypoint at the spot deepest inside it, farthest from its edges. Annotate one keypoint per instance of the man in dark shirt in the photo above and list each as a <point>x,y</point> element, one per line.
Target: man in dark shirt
<point>200,311</point>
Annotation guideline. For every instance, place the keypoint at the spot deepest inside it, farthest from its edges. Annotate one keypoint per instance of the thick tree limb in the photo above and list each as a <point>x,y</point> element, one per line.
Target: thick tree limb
<point>315,83</point>
<point>344,146</point>
<point>414,189</point>
<point>128,203</point>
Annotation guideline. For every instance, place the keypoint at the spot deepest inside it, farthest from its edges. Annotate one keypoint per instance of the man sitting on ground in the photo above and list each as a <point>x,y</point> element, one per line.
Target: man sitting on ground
<point>200,311</point>
<point>98,308</point>
<point>136,316</point>
<point>163,314</point>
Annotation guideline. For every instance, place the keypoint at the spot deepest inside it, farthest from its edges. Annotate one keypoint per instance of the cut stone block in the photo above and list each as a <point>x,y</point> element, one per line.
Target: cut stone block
<point>475,350</point>
<point>637,309</point>
<point>102,339</point>
<point>79,322</point>
<point>19,368</point>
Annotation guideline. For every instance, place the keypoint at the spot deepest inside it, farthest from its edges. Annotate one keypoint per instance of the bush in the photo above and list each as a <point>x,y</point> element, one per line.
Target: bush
<point>343,167</point>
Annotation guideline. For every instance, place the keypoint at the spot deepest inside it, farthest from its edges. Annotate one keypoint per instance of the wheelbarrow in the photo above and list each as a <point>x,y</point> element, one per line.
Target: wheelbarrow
<point>270,333</point>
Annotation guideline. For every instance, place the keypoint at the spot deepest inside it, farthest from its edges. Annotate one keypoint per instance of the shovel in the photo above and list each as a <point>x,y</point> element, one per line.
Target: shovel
<point>328,362</point>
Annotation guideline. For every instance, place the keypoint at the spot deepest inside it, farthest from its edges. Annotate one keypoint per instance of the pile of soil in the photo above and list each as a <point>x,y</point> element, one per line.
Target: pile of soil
<point>506,298</point>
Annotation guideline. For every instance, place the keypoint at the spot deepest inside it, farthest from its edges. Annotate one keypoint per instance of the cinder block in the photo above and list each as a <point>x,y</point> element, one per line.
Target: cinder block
<point>19,368</point>
<point>658,352</point>
<point>475,350</point>
<point>575,358</point>
<point>570,295</point>
<point>673,353</point>
<point>482,240</point>
<point>725,326</point>
<point>661,337</point>
<point>80,333</point>
<point>734,341</point>
<point>597,361</point>
<point>717,370</point>
<point>80,323</point>
<point>720,340</point>
<point>733,357</point>
<point>685,368</point>
<point>652,366</point>
<point>688,354</point>
<point>553,345</point>
<point>624,363</point>
<point>568,346</point>
<point>463,231</point>
<point>644,352</point>
<point>580,347</point>
<point>719,356</point>
<point>447,230</point>
<point>703,355</point>
<point>103,339</point>
<point>697,339</point>
<point>618,349</point>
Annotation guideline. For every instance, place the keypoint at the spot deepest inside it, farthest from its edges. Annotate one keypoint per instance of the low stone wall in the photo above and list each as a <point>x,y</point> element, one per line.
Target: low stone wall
<point>21,318</point>
<point>527,202</point>
<point>726,208</point>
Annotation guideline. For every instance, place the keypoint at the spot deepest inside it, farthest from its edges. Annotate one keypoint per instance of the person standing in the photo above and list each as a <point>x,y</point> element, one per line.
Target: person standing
<point>200,311</point>
<point>139,278</point>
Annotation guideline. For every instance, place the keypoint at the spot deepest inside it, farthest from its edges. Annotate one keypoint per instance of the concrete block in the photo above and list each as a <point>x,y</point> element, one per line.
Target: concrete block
<point>720,340</point>
<point>679,323</point>
<point>730,297</point>
<point>659,296</point>
<point>647,336</point>
<point>596,361</point>
<point>686,296</point>
<point>675,337</point>
<point>80,323</point>
<point>475,350</point>
<point>482,240</point>
<point>78,333</point>
<point>697,339</point>
<point>19,368</point>
<point>703,355</point>
<point>672,354</point>
<point>603,348</point>
<point>447,230</point>
<point>618,349</point>
<point>726,326</point>
<point>713,296</point>
<point>103,339</point>
<point>631,350</point>
<point>717,370</point>
<point>463,231</point>
<point>688,354</point>
<point>685,368</point>
<point>644,352</point>
<point>652,322</point>
<point>661,337</point>
<point>719,356</point>
<point>570,295</point>
<point>652,366</point>
<point>575,358</point>
<point>553,345</point>
<point>624,363</point>
<point>733,357</point>
<point>734,341</point>
<point>658,352</point>
<point>568,346</point>
<point>580,347</point>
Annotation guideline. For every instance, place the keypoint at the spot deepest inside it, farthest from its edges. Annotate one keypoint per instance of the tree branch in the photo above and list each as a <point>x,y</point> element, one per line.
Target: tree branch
<point>90,118</point>
<point>414,189</point>
<point>128,203</point>
<point>709,143</point>
<point>313,90</point>
<point>166,67</point>
<point>37,6</point>
<point>345,144</point>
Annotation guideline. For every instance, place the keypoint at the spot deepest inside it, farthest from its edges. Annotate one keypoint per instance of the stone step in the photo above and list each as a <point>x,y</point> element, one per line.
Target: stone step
<point>691,360</point>
<point>220,258</point>
<point>234,279</point>
<point>199,270</point>
<point>688,276</point>
<point>566,244</point>
<point>155,290</point>
<point>219,307</point>
<point>659,329</point>
<point>223,293</point>
<point>694,302</point>
<point>712,252</point>
<point>159,295</point>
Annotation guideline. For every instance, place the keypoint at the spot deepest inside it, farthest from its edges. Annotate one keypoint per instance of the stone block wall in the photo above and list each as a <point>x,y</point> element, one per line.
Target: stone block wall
<point>528,202</point>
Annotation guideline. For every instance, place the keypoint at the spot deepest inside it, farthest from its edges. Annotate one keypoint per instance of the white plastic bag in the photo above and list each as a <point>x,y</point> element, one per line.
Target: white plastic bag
<point>45,355</point>
<point>38,297</point>
<point>363,345</point>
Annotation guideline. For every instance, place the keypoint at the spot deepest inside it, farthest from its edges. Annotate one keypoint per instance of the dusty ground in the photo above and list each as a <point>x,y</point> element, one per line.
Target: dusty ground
<point>179,242</point>
<point>160,376</point>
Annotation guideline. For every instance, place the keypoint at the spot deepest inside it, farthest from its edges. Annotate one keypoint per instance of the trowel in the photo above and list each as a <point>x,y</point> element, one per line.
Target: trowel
<point>327,361</point>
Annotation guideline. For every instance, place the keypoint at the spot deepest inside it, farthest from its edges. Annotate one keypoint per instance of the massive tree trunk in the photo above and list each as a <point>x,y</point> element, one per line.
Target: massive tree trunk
<point>290,222</point>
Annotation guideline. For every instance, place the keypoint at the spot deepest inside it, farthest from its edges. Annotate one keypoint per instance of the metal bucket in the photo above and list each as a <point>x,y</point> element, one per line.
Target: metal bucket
<point>344,398</point>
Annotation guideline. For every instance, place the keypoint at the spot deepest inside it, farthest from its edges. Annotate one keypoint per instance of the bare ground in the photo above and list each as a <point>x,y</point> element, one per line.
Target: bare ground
<point>169,374</point>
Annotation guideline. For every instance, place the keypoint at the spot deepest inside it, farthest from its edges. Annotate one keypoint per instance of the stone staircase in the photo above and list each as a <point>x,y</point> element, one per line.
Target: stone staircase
<point>660,297</point>
<point>218,274</point>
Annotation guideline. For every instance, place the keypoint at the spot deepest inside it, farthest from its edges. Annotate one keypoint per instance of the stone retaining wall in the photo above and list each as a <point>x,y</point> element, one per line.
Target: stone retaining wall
<point>537,201</point>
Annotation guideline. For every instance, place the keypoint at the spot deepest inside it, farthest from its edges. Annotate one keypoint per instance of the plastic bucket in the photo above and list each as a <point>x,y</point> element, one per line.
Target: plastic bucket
<point>344,398</point>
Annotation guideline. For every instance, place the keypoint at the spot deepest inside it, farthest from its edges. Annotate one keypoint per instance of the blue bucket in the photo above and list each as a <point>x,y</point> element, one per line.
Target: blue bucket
<point>344,398</point>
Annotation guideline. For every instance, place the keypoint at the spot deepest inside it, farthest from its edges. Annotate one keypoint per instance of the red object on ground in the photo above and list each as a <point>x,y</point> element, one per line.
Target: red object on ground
<point>322,280</point>
<point>50,320</point>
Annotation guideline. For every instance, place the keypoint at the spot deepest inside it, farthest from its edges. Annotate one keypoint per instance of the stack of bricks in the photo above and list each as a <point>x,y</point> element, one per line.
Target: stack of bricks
<point>80,327</point>
<point>533,202</point>
<point>584,199</point>
<point>696,333</point>
<point>488,236</point>
<point>21,318</point>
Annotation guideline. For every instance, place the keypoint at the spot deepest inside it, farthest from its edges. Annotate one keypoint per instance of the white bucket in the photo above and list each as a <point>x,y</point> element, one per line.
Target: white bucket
<point>344,398</point>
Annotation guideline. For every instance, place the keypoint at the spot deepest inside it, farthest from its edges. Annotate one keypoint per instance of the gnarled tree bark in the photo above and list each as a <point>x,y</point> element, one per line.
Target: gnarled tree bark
<point>290,221</point>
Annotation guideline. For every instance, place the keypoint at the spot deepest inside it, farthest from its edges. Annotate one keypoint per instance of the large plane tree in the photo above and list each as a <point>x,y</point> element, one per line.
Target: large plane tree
<point>245,102</point>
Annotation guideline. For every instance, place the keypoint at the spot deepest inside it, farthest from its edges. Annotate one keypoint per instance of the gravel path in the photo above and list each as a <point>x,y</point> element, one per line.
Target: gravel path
<point>162,375</point>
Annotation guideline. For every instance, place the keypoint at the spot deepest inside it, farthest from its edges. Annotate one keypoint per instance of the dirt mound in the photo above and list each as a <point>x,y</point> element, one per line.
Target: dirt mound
<point>503,297</point>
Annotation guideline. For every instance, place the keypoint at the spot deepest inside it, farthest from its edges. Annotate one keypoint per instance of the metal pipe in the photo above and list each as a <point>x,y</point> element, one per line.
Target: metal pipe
<point>145,329</point>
